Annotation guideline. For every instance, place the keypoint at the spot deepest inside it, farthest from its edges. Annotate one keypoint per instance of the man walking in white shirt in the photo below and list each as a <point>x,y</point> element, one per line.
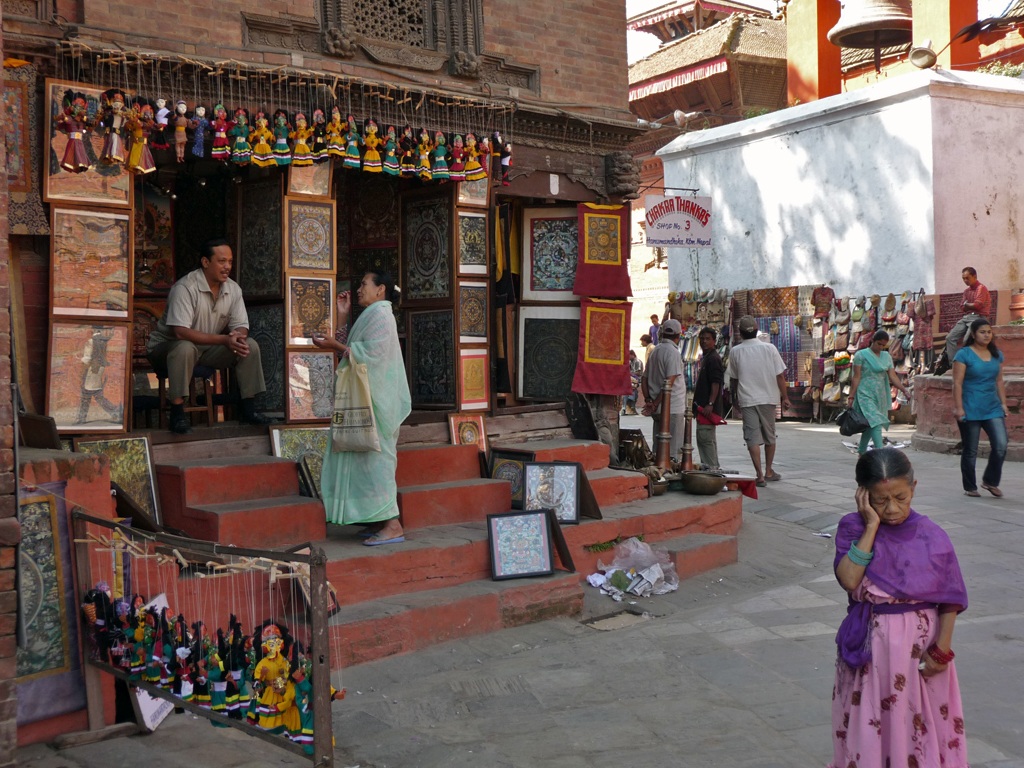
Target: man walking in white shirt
<point>756,378</point>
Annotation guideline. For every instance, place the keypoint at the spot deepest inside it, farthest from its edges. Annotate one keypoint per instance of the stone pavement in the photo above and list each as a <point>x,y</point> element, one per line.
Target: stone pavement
<point>733,669</point>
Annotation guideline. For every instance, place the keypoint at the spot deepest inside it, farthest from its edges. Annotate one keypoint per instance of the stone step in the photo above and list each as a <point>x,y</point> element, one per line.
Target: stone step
<point>224,479</point>
<point>615,486</point>
<point>423,465</point>
<point>260,523</point>
<point>701,552</point>
<point>591,454</point>
<point>409,622</point>
<point>461,501</point>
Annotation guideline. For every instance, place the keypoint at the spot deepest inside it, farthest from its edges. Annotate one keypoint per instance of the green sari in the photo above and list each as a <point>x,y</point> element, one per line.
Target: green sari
<point>360,487</point>
<point>874,394</point>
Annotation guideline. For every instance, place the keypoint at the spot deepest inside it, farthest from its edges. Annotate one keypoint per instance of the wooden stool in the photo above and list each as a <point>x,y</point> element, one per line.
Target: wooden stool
<point>200,372</point>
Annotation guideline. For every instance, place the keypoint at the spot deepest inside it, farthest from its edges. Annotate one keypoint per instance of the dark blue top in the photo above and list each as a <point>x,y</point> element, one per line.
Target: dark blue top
<point>981,401</point>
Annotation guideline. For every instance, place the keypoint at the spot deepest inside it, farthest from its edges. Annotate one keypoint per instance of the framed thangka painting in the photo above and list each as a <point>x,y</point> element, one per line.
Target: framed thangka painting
<point>550,245</point>
<point>130,467</point>
<point>91,258</point>
<point>374,206</point>
<point>266,326</point>
<point>146,313</point>
<point>259,239</point>
<point>87,376</point>
<point>468,429</point>
<point>474,379</point>
<point>310,386</point>
<point>16,127</point>
<point>310,309</point>
<point>472,240</point>
<point>477,192</point>
<point>102,184</point>
<point>548,349</point>
<point>520,544</point>
<point>426,255</point>
<point>309,234</point>
<point>310,180</point>
<point>549,485</point>
<point>472,312</point>
<point>508,464</point>
<point>432,358</point>
<point>303,444</point>
<point>154,241</point>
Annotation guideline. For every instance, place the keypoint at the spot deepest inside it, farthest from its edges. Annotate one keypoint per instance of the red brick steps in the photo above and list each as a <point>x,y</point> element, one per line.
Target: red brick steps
<point>461,501</point>
<point>700,552</point>
<point>592,455</point>
<point>614,486</point>
<point>258,522</point>
<point>423,465</point>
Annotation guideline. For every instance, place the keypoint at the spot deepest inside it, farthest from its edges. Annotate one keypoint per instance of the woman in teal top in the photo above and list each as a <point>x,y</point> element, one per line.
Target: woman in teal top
<point>870,396</point>
<point>979,401</point>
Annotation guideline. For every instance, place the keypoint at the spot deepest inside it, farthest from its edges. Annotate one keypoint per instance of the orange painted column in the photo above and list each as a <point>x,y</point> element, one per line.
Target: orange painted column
<point>938,21</point>
<point>812,61</point>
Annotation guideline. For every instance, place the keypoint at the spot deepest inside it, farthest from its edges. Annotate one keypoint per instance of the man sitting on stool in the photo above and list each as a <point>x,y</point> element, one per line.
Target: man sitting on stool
<point>977,303</point>
<point>205,323</point>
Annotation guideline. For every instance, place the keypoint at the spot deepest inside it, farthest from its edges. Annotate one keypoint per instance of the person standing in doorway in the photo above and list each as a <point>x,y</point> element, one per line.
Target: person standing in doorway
<point>707,397</point>
<point>977,304</point>
<point>655,327</point>
<point>757,379</point>
<point>665,371</point>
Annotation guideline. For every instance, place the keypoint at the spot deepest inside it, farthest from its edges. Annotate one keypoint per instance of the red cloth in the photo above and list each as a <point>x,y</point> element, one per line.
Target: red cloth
<point>979,296</point>
<point>715,419</point>
<point>602,264</point>
<point>602,367</point>
<point>747,487</point>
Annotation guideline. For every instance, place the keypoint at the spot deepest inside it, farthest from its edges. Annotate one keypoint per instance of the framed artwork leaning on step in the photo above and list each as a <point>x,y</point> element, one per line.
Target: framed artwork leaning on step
<point>508,464</point>
<point>553,485</point>
<point>520,544</point>
<point>468,429</point>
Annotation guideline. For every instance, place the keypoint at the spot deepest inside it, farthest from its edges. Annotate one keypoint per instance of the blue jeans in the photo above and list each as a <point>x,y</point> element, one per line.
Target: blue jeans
<point>970,431</point>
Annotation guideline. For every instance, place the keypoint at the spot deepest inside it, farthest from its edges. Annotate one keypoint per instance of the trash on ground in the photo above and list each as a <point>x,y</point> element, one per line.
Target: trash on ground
<point>823,535</point>
<point>637,569</point>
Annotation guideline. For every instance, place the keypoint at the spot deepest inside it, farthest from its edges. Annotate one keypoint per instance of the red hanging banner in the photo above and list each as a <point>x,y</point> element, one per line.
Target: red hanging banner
<point>602,367</point>
<point>602,264</point>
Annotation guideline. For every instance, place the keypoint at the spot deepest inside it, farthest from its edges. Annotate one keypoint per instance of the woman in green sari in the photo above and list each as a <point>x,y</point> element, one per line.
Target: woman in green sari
<point>359,487</point>
<point>870,396</point>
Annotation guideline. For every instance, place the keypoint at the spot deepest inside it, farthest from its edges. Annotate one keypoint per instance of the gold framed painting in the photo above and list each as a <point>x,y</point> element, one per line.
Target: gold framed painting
<point>310,309</point>
<point>477,193</point>
<point>87,376</point>
<point>471,239</point>
<point>311,180</point>
<point>131,467</point>
<point>468,429</point>
<point>91,257</point>
<point>102,184</point>
<point>474,379</point>
<point>310,232</point>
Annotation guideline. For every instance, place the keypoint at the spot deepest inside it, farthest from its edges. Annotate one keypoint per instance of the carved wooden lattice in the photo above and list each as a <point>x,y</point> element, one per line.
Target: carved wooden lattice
<point>396,21</point>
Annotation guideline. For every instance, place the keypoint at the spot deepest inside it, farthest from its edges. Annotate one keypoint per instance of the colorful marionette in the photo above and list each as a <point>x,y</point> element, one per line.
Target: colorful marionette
<point>241,152</point>
<point>220,150</point>
<point>391,166</point>
<point>352,142</point>
<point>335,130</point>
<point>254,655</point>
<point>199,124</point>
<point>74,121</point>
<point>301,154</point>
<point>184,688</point>
<point>277,711</point>
<point>114,116</point>
<point>474,170</point>
<point>100,618</point>
<point>262,147</point>
<point>504,149</point>
<point>218,682</point>
<point>304,702</point>
<point>423,150</point>
<point>180,124</point>
<point>200,652</point>
<point>236,663</point>
<point>141,124</point>
<point>407,146</point>
<point>371,158</point>
<point>319,137</point>
<point>282,152</point>
<point>457,171</point>
<point>160,133</point>
<point>440,170</point>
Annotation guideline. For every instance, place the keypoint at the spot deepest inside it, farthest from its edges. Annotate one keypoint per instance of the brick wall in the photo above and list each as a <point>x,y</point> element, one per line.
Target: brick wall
<point>10,532</point>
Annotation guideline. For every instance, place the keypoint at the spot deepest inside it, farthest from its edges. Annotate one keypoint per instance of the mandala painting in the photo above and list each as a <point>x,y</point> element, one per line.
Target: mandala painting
<point>520,544</point>
<point>432,358</point>
<point>551,245</point>
<point>310,301</point>
<point>425,235</point>
<point>266,326</point>
<point>309,227</point>
<point>259,239</point>
<point>91,252</point>
<point>548,350</point>
<point>310,386</point>
<point>130,467</point>
<point>509,465</point>
<point>472,312</point>
<point>374,207</point>
<point>472,243</point>
<point>468,430</point>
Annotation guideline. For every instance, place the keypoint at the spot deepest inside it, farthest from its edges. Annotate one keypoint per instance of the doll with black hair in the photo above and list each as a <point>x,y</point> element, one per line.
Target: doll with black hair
<point>371,158</point>
<point>236,663</point>
<point>241,151</point>
<point>100,618</point>
<point>282,130</point>
<point>199,124</point>
<point>390,163</point>
<point>221,147</point>
<point>423,151</point>
<point>457,171</point>
<point>114,115</point>
<point>302,680</point>
<point>407,145</point>
<point>302,155</point>
<point>319,151</point>
<point>474,168</point>
<point>74,122</point>
<point>335,131</point>
<point>276,709</point>
<point>180,125</point>
<point>201,647</point>
<point>352,142</point>
<point>440,154</point>
<point>217,677</point>
<point>141,123</point>
<point>504,149</point>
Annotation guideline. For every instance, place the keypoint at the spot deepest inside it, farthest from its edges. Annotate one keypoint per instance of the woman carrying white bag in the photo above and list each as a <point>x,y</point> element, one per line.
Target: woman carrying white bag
<point>358,481</point>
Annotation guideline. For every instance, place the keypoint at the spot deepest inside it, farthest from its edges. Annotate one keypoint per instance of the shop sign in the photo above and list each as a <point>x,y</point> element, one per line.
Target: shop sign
<point>677,222</point>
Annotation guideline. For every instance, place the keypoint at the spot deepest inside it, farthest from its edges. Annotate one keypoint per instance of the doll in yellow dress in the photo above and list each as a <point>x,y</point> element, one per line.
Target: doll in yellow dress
<point>141,123</point>
<point>335,132</point>
<point>474,170</point>
<point>261,139</point>
<point>371,158</point>
<point>423,151</point>
<point>301,153</point>
<point>276,709</point>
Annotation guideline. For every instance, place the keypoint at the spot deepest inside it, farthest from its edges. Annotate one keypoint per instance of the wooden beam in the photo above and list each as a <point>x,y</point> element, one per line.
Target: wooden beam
<point>78,738</point>
<point>93,680</point>
<point>323,735</point>
<point>707,90</point>
<point>686,23</point>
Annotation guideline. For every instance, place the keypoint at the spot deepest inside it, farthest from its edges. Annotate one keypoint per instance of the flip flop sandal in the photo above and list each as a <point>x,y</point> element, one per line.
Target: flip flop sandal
<point>993,490</point>
<point>971,493</point>
<point>760,483</point>
<point>376,541</point>
<point>773,477</point>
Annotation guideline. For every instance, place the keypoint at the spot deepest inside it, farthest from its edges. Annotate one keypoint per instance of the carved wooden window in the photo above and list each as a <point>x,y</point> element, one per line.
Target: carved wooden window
<point>405,22</point>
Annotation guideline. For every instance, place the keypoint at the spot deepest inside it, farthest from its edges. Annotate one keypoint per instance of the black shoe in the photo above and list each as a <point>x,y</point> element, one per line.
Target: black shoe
<point>256,419</point>
<point>942,365</point>
<point>180,425</point>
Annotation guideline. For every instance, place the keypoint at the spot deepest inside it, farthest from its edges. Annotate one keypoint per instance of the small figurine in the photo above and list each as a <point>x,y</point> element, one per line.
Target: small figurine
<point>100,617</point>
<point>505,155</point>
<point>218,684</point>
<point>391,166</point>
<point>160,134</point>
<point>199,124</point>
<point>241,152</point>
<point>440,152</point>
<point>474,170</point>
<point>352,142</point>
<point>140,123</point>
<point>261,138</point>
<point>335,130</point>
<point>200,653</point>
<point>371,159</point>
<point>74,121</point>
<point>276,710</point>
<point>319,137</point>
<point>180,124</point>
<point>301,668</point>
<point>282,152</point>
<point>457,172</point>
<point>220,150</point>
<point>301,155</point>
<point>114,117</point>
<point>407,145</point>
<point>424,149</point>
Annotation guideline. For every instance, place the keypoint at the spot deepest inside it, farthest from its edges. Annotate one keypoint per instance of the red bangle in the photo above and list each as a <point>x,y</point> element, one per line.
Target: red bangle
<point>941,657</point>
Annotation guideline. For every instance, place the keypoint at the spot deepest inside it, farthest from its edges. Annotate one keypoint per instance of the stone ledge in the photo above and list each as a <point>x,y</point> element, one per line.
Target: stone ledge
<point>934,444</point>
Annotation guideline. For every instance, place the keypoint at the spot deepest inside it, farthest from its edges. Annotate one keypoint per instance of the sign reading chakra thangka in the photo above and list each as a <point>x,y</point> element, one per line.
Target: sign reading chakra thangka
<point>677,222</point>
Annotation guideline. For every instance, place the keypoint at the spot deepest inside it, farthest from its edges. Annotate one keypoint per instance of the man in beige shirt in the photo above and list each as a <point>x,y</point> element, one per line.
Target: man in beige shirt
<point>205,323</point>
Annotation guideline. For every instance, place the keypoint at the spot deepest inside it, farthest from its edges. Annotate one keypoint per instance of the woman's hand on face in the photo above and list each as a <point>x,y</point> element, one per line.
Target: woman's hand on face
<point>344,303</point>
<point>867,512</point>
<point>931,666</point>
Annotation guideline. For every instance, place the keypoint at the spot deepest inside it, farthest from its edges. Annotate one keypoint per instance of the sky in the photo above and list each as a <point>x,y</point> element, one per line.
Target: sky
<point>641,44</point>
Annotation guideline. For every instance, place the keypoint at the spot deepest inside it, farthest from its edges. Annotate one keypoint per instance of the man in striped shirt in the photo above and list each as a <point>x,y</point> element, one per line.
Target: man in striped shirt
<point>977,303</point>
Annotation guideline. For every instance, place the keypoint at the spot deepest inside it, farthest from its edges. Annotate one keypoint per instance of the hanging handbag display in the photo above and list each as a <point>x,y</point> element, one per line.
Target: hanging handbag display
<point>353,424</point>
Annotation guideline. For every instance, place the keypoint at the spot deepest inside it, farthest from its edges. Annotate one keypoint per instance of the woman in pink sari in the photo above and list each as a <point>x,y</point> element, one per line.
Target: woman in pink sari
<point>896,701</point>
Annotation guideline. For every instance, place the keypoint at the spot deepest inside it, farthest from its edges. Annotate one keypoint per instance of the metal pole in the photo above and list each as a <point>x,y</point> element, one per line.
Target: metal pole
<point>663,439</point>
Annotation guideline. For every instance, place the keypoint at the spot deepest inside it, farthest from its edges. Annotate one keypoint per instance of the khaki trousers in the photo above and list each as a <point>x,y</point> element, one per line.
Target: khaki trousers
<point>707,445</point>
<point>178,358</point>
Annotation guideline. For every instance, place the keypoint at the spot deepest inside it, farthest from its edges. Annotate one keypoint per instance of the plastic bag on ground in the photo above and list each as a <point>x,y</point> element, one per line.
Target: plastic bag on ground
<point>635,555</point>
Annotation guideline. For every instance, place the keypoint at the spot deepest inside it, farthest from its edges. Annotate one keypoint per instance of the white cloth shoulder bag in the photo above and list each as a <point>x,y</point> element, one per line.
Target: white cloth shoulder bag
<point>353,425</point>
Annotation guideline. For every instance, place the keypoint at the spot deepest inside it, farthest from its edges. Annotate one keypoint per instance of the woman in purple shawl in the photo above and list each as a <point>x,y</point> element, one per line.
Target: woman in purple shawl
<point>896,701</point>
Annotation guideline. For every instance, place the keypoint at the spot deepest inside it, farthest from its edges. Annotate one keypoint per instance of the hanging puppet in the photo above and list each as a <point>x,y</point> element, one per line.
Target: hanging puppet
<point>241,152</point>
<point>301,154</point>
<point>319,136</point>
<point>282,152</point>
<point>504,149</point>
<point>474,169</point>
<point>390,164</point>
<point>423,150</point>
<point>74,121</point>
<point>199,124</point>
<point>160,134</point>
<point>371,158</point>
<point>457,171</point>
<point>221,148</point>
<point>100,617</point>
<point>262,138</point>
<point>335,130</point>
<point>216,676</point>
<point>180,124</point>
<point>301,677</point>
<point>141,124</point>
<point>407,145</point>
<point>114,116</point>
<point>440,152</point>
<point>276,710</point>
<point>352,142</point>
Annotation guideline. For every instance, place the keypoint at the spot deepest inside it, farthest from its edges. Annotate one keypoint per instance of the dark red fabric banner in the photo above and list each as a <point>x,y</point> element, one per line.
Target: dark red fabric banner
<point>602,367</point>
<point>602,264</point>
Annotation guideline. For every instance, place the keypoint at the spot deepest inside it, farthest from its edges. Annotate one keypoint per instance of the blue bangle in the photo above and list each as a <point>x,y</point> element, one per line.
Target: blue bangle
<point>858,556</point>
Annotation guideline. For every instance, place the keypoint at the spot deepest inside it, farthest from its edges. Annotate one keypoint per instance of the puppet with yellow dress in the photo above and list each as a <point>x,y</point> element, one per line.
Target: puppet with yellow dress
<point>371,158</point>
<point>276,709</point>
<point>261,138</point>
<point>335,130</point>
<point>301,153</point>
<point>423,151</point>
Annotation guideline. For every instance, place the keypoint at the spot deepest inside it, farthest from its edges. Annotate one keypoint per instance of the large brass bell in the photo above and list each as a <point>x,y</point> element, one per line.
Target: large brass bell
<point>873,24</point>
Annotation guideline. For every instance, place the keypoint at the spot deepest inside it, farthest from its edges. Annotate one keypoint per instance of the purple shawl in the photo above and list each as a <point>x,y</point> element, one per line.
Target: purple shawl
<point>913,561</point>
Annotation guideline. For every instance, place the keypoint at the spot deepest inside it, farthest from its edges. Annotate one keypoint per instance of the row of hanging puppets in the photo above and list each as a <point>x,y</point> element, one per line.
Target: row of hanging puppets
<point>131,128</point>
<point>263,678</point>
